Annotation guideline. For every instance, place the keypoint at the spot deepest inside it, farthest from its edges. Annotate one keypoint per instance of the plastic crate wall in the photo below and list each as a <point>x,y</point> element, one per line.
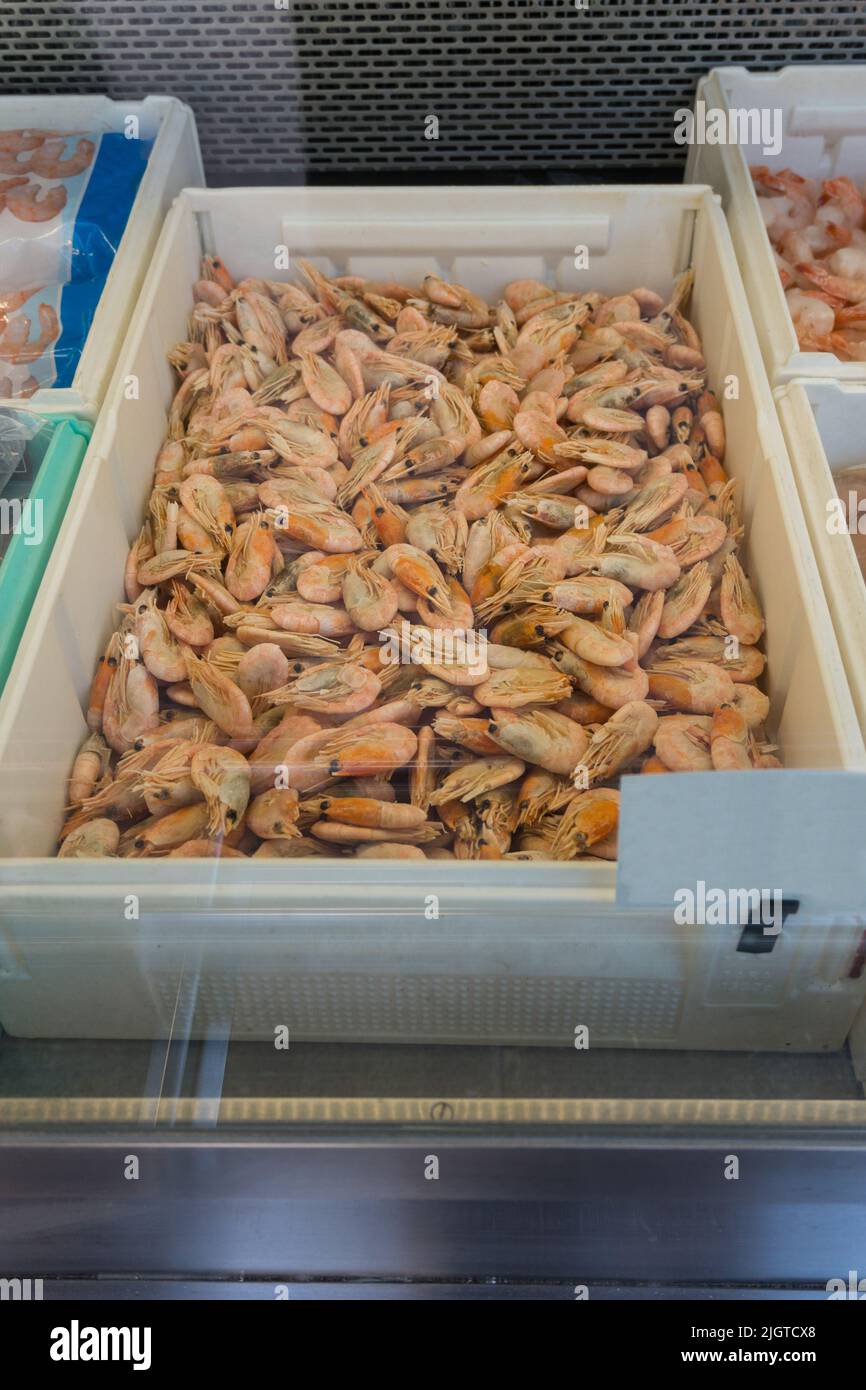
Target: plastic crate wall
<point>283,88</point>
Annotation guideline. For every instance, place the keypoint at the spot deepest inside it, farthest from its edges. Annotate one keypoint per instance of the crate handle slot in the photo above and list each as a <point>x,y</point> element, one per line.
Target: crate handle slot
<point>831,122</point>
<point>753,940</point>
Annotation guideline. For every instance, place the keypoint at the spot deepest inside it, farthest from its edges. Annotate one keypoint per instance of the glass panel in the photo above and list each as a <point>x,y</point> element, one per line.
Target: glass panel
<point>262,1028</point>
<point>440,701</point>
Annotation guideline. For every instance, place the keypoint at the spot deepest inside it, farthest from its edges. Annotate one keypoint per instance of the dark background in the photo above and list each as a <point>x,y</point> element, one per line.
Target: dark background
<point>331,89</point>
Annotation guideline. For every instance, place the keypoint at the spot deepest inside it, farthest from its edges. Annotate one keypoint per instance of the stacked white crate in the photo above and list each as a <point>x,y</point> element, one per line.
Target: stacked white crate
<point>823,133</point>
<point>821,399</point>
<point>174,163</point>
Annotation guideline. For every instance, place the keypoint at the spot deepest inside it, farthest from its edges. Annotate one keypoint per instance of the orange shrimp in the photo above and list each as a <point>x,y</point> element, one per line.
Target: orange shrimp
<point>338,687</point>
<point>369,751</point>
<point>98,839</point>
<point>627,734</point>
<point>222,775</point>
<point>693,686</point>
<point>251,559</point>
<point>222,701</point>
<point>730,739</point>
<point>131,703</point>
<point>590,817</point>
<point>545,737</point>
<point>272,754</point>
<point>91,763</point>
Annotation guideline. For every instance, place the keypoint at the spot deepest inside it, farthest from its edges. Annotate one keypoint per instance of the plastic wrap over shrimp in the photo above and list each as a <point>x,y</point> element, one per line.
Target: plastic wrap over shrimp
<point>64,201</point>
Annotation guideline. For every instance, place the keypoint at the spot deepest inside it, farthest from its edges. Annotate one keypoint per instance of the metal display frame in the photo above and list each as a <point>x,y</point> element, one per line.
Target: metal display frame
<point>294,90</point>
<point>317,1211</point>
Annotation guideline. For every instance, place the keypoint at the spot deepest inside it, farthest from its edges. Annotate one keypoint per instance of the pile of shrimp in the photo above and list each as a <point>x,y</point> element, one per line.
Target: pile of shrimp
<point>30,161</point>
<point>351,463</point>
<point>818,237</point>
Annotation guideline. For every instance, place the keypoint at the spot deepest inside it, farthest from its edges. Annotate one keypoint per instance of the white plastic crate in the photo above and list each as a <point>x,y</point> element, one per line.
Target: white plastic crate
<point>173,164</point>
<point>519,952</point>
<point>823,134</point>
<point>825,426</point>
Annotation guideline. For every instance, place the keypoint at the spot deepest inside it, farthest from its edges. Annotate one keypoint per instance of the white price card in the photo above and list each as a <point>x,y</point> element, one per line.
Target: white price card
<point>793,832</point>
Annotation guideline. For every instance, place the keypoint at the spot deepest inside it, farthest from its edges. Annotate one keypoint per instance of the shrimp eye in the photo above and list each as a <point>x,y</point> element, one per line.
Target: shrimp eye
<point>380,511</point>
<point>432,590</point>
<point>229,527</point>
<point>334,766</point>
<point>323,805</point>
<point>297,666</point>
<point>539,630</point>
<point>547,596</point>
<point>138,842</point>
<point>138,745</point>
<point>494,728</point>
<point>362,440</point>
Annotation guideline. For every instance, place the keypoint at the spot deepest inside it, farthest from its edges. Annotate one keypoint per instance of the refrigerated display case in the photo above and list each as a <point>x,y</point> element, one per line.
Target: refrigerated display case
<point>295,1079</point>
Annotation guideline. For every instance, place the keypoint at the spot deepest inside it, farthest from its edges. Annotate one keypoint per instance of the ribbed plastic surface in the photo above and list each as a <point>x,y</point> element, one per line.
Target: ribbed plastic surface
<point>329,86</point>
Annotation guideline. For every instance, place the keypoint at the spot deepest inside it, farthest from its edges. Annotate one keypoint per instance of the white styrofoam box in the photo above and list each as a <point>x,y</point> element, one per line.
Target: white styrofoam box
<point>173,164</point>
<point>825,426</point>
<point>518,952</point>
<point>823,134</point>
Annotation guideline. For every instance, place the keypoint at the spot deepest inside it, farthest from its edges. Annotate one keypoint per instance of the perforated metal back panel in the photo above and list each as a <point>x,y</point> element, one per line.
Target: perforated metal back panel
<point>346,87</point>
<point>354,1007</point>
